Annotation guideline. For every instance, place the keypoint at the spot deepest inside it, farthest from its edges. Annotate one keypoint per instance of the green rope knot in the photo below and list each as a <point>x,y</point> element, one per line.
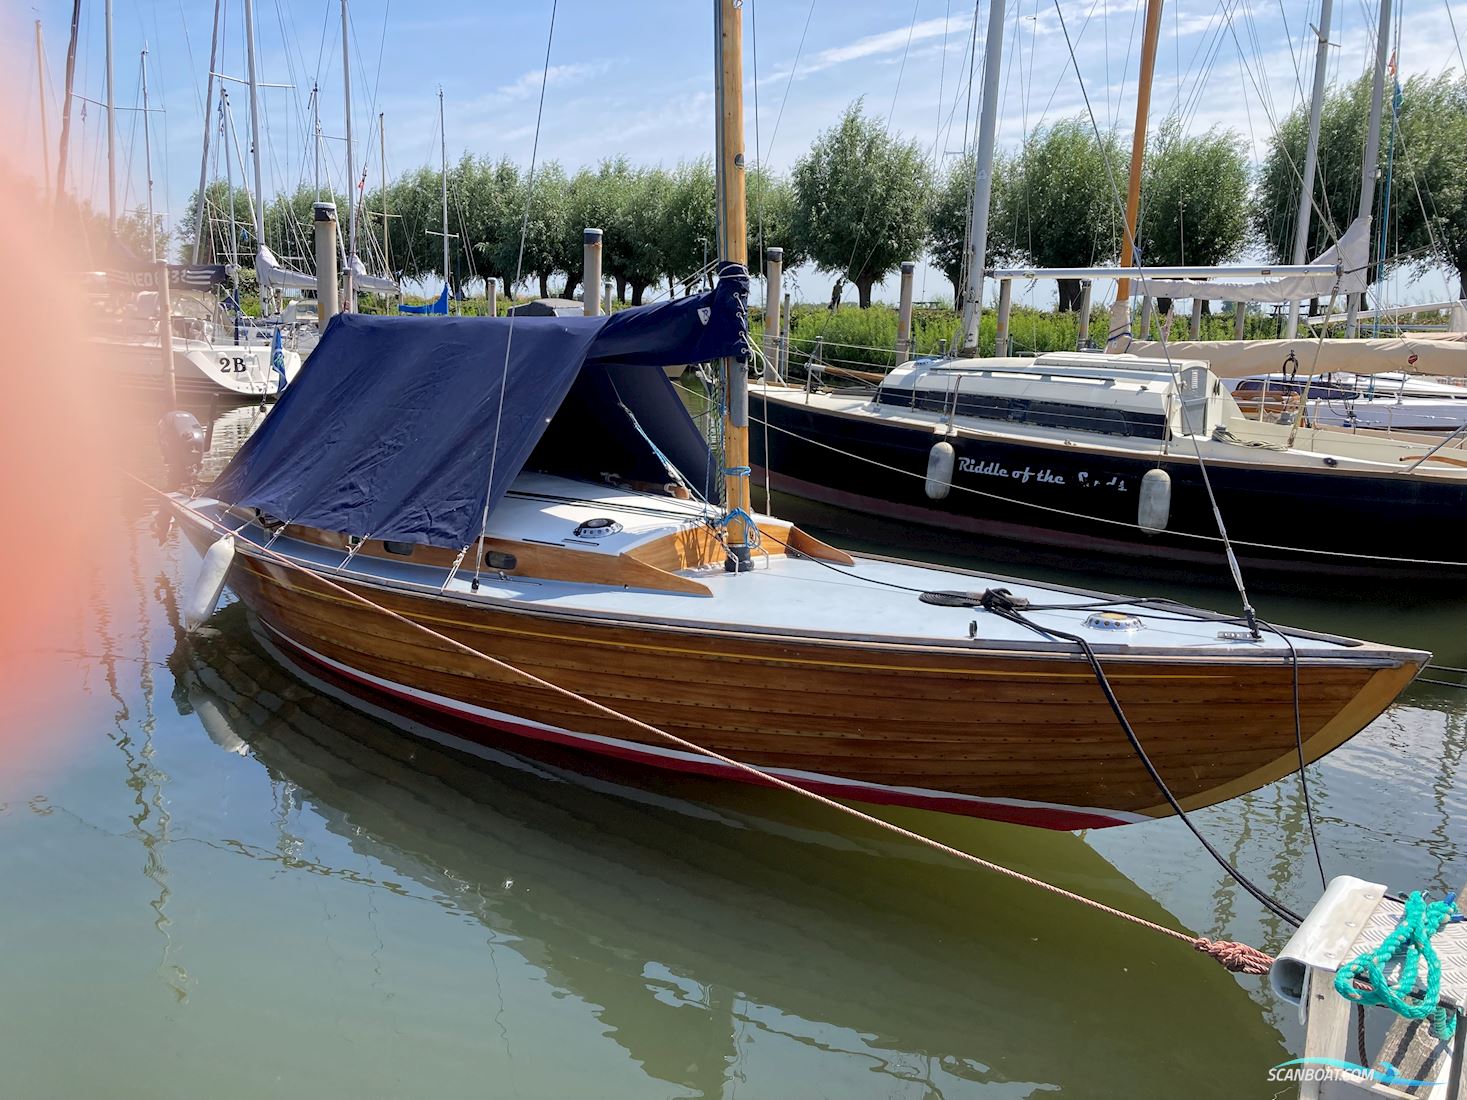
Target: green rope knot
<point>1409,944</point>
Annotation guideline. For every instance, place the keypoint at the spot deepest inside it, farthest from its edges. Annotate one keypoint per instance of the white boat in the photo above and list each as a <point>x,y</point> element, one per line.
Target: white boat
<point>1393,401</point>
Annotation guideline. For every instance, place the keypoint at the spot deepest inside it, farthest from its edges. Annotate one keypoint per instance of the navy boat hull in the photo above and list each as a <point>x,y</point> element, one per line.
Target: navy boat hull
<point>1065,497</point>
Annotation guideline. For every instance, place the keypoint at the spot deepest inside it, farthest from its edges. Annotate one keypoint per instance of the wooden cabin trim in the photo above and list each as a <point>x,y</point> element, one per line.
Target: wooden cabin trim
<point>532,559</point>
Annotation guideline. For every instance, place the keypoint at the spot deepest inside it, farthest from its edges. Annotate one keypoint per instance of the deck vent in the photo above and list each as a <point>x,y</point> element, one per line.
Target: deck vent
<point>1113,621</point>
<point>597,528</point>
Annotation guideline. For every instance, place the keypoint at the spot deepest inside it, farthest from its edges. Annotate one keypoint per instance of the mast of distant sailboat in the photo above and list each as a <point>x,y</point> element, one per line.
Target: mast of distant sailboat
<point>1120,318</point>
<point>349,295</point>
<point>1311,157</point>
<point>201,208</point>
<point>1369,166</point>
<point>443,181</point>
<point>982,180</point>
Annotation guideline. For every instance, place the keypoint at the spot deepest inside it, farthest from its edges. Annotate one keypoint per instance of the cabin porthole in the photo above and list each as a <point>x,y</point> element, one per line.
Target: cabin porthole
<point>401,549</point>
<point>499,560</point>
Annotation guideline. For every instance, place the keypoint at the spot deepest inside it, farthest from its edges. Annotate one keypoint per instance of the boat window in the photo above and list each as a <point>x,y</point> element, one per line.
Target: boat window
<point>402,549</point>
<point>1101,419</point>
<point>497,559</point>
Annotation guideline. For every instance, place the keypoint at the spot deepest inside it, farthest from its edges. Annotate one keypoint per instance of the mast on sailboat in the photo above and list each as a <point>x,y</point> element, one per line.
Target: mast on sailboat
<point>111,128</point>
<point>1120,322</point>
<point>386,233</point>
<point>66,102</point>
<point>226,119</point>
<point>443,180</point>
<point>148,160</point>
<point>982,180</point>
<point>316,134</point>
<point>258,206</point>
<point>349,293</point>
<point>1311,156</point>
<point>1369,166</point>
<point>733,247</point>
<point>41,88</point>
<point>200,206</point>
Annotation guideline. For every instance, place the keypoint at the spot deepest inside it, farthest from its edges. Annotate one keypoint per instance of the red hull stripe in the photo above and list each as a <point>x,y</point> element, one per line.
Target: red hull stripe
<point>1041,815</point>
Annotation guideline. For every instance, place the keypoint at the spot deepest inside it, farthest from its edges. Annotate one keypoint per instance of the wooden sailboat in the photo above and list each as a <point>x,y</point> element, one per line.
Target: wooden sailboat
<point>599,558</point>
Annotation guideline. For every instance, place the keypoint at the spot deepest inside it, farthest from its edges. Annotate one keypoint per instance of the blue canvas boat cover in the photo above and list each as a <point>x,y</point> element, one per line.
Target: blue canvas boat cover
<point>396,429</point>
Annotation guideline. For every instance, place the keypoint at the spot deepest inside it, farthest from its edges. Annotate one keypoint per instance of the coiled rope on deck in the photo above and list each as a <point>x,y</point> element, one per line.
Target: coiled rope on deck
<point>1237,957</point>
<point>1363,980</point>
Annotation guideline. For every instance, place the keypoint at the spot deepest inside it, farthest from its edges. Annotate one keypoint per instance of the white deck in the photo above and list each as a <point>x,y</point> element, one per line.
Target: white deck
<point>787,595</point>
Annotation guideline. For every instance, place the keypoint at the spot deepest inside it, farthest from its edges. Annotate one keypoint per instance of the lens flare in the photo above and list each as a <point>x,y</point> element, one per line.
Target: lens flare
<point>60,459</point>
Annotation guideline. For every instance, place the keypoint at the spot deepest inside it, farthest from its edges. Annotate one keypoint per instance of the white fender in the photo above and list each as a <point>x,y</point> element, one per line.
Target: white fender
<point>1154,505</point>
<point>216,724</point>
<point>940,462</point>
<point>203,597</point>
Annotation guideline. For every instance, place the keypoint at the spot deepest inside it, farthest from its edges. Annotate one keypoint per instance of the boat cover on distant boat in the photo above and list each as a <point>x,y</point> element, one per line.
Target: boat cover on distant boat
<point>374,284</point>
<point>393,431</point>
<point>438,305</point>
<point>1351,254</point>
<point>272,272</point>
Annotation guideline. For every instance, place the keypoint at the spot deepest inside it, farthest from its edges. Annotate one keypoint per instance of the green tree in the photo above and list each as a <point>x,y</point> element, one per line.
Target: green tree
<point>771,214</point>
<point>1427,220</point>
<point>950,210</point>
<point>689,230</point>
<point>215,247</point>
<point>1194,198</point>
<point>1058,197</point>
<point>859,201</point>
<point>635,256</point>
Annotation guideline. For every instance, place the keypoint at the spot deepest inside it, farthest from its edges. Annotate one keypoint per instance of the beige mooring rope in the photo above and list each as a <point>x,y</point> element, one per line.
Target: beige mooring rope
<point>1235,956</point>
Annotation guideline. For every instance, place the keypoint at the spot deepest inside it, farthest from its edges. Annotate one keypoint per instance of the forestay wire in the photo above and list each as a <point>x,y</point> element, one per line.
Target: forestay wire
<point>518,275</point>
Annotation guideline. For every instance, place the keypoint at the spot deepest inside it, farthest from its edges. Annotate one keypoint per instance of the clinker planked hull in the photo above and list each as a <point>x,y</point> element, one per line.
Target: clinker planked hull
<point>1024,737</point>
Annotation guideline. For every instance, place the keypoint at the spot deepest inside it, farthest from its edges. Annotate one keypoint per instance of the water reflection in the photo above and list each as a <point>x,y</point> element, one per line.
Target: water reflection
<point>268,864</point>
<point>705,922</point>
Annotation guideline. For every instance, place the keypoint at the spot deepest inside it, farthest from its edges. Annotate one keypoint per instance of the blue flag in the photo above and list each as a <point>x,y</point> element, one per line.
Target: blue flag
<point>277,361</point>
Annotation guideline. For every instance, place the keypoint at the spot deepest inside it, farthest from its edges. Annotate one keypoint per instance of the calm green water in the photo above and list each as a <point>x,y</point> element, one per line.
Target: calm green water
<point>229,884</point>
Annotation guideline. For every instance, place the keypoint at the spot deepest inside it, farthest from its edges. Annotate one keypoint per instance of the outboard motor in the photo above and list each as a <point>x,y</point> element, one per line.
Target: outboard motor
<point>183,440</point>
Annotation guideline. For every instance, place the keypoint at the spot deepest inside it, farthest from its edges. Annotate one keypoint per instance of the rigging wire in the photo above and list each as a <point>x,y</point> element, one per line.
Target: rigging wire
<point>518,271</point>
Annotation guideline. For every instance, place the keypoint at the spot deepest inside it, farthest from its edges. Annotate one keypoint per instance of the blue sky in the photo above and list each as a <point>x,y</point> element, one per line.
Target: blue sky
<point>635,77</point>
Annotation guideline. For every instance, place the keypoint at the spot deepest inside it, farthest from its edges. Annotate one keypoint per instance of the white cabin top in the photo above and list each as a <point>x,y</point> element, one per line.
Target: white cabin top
<point>1114,395</point>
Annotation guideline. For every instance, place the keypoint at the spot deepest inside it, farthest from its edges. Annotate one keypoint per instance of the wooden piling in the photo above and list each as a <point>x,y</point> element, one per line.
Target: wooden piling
<point>165,332</point>
<point>904,314</point>
<point>590,271</point>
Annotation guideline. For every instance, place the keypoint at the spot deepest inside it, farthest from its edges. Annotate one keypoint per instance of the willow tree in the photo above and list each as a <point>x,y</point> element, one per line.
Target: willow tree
<point>1057,199</point>
<point>1427,163</point>
<point>950,210</point>
<point>1194,198</point>
<point>860,201</point>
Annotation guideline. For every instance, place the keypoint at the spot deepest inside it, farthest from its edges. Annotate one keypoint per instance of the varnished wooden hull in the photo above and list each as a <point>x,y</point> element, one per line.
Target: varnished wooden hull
<point>1023,737</point>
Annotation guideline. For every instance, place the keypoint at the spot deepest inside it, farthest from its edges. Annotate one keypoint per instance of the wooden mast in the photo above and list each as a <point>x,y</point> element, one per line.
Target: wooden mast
<point>733,248</point>
<point>1122,322</point>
